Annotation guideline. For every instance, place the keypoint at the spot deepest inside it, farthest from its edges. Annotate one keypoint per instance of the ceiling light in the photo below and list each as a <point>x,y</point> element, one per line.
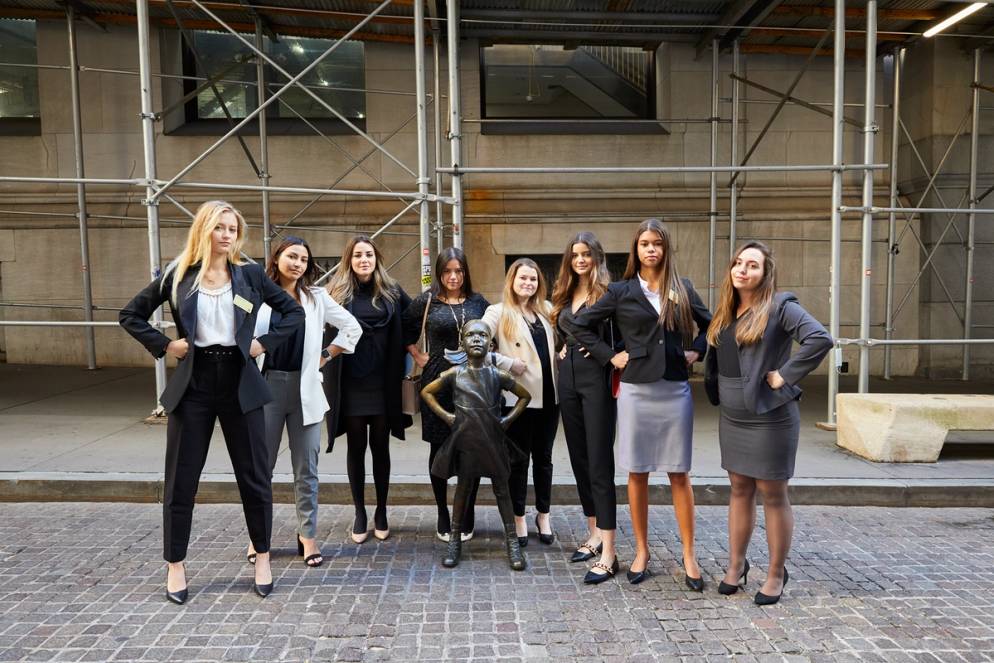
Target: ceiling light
<point>955,18</point>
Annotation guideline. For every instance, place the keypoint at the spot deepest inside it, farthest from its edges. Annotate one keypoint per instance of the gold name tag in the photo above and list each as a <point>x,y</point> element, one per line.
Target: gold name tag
<point>243,303</point>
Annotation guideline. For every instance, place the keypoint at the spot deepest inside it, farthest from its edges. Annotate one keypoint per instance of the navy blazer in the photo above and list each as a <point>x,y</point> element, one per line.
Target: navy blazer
<point>788,323</point>
<point>654,353</point>
<point>248,281</point>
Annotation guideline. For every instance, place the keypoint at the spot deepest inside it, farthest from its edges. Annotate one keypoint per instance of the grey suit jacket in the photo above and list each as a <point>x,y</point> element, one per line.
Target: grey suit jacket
<point>788,323</point>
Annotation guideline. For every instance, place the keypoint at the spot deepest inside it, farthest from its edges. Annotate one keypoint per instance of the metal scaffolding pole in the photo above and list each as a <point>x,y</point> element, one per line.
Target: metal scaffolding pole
<point>260,76</point>
<point>972,218</point>
<point>869,136</point>
<point>713,177</point>
<point>150,203</point>
<point>423,179</point>
<point>84,239</point>
<point>892,217</point>
<point>733,192</point>
<point>838,127</point>
<point>455,126</point>
<point>437,116</point>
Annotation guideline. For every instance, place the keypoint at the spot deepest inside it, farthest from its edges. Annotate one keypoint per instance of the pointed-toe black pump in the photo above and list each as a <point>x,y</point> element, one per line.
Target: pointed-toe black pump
<point>767,599</point>
<point>728,590</point>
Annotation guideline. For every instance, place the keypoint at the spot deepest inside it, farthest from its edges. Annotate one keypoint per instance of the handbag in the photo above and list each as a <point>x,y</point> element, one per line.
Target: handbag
<point>410,386</point>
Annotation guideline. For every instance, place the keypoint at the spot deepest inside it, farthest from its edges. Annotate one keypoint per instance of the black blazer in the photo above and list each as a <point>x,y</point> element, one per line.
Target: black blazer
<point>653,352</point>
<point>248,281</point>
<point>788,323</point>
<point>395,371</point>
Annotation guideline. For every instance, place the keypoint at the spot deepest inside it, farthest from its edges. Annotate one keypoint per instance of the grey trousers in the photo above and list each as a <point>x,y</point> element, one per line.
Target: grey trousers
<point>305,445</point>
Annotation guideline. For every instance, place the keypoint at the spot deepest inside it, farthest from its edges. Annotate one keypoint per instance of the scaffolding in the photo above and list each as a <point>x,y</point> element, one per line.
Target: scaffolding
<point>428,190</point>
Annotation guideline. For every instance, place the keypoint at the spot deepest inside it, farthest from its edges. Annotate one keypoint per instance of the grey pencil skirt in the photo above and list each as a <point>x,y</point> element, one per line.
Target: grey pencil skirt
<point>655,427</point>
<point>761,446</point>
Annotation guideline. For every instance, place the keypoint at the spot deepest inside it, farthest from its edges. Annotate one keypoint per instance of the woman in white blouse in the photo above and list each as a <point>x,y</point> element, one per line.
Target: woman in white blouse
<point>293,373</point>
<point>214,298</point>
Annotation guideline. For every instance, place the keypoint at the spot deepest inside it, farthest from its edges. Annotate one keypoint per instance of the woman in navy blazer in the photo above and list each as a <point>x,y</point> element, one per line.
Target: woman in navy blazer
<point>751,374</point>
<point>214,299</point>
<point>656,312</point>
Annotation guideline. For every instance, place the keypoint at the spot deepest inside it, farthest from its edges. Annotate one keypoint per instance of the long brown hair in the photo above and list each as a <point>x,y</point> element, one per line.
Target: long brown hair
<point>344,281</point>
<point>567,280</point>
<point>306,280</point>
<point>753,324</point>
<point>510,311</point>
<point>674,302</point>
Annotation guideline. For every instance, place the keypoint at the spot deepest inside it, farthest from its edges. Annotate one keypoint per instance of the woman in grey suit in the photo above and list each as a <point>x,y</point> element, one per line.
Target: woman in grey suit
<point>750,372</point>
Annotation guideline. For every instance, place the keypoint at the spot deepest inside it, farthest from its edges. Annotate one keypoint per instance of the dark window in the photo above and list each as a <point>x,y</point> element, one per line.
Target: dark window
<point>338,80</point>
<point>549,266</point>
<point>19,109</point>
<point>582,86</point>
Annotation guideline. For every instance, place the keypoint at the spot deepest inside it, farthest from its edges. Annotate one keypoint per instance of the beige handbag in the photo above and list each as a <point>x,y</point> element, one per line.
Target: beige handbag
<point>410,386</point>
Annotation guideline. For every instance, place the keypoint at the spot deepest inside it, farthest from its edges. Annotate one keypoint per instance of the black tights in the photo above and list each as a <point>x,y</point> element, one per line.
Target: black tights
<point>378,439</point>
<point>465,499</point>
<point>440,487</point>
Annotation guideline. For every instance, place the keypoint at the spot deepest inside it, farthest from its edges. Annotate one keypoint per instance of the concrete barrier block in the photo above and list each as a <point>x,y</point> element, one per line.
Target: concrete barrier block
<point>907,428</point>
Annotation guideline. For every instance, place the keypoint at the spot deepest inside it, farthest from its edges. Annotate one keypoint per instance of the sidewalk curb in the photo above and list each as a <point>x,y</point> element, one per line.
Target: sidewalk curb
<point>708,491</point>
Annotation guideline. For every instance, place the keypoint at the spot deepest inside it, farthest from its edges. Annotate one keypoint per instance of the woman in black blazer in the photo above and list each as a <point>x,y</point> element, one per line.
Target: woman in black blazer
<point>585,401</point>
<point>750,372</point>
<point>214,299</point>
<point>656,312</point>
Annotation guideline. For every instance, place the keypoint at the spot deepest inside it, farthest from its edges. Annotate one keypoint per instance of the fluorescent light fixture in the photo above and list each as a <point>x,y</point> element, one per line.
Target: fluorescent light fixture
<point>955,18</point>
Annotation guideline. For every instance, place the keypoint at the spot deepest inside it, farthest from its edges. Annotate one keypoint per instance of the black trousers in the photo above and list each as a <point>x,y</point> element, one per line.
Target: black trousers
<point>534,433</point>
<point>589,412</point>
<point>213,394</point>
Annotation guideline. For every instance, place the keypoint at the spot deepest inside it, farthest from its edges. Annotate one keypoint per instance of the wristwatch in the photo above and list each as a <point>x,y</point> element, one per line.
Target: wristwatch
<point>325,354</point>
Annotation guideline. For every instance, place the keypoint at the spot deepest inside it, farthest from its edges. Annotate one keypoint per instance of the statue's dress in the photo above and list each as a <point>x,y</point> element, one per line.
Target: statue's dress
<point>477,445</point>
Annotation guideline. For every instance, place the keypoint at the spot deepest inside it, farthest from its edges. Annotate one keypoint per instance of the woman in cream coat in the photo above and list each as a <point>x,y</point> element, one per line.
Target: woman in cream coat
<point>523,330</point>
<point>293,373</point>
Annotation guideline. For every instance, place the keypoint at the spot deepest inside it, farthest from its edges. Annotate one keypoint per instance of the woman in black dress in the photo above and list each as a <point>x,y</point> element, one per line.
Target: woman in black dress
<point>750,372</point>
<point>449,303</point>
<point>369,410</point>
<point>585,400</point>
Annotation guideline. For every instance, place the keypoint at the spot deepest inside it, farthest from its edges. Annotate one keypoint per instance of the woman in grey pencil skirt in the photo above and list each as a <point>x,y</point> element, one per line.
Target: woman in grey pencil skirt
<point>750,372</point>
<point>656,312</point>
<point>293,373</point>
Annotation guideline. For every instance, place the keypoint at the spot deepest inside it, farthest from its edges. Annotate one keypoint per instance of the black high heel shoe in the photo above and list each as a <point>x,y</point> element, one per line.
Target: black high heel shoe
<point>310,559</point>
<point>766,599</point>
<point>728,590</point>
<point>547,539</point>
<point>635,577</point>
<point>179,598</point>
<point>694,584</point>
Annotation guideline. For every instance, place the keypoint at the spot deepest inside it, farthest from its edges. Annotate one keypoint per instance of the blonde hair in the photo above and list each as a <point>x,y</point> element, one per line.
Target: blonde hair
<point>674,315</point>
<point>753,323</point>
<point>511,311</point>
<point>198,244</point>
<point>344,281</point>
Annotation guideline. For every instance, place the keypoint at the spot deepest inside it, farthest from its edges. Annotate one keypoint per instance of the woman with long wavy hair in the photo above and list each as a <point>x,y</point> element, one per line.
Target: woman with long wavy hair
<point>293,373</point>
<point>751,375</point>
<point>586,404</point>
<point>366,385</point>
<point>523,331</point>
<point>657,312</point>
<point>215,298</point>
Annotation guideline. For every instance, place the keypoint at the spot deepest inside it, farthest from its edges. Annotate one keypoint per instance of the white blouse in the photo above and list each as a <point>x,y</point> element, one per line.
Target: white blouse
<point>215,317</point>
<point>653,297</point>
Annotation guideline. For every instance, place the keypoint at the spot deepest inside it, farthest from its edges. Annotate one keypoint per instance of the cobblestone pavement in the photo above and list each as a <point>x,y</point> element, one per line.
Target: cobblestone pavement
<point>85,583</point>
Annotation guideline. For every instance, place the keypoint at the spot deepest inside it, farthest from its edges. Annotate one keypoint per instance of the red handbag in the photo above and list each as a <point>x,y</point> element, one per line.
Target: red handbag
<point>615,382</point>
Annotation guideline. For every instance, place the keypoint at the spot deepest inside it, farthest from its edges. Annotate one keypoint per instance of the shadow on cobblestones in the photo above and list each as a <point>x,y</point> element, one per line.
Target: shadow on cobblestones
<point>85,583</point>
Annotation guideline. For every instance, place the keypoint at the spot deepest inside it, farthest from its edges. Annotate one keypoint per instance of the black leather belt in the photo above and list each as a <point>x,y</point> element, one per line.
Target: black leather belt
<point>219,352</point>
